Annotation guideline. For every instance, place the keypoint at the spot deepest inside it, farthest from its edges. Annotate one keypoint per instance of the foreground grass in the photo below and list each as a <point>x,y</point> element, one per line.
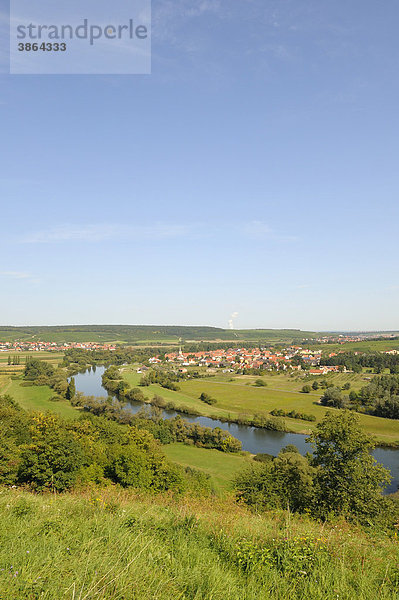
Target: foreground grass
<point>220,466</point>
<point>112,546</point>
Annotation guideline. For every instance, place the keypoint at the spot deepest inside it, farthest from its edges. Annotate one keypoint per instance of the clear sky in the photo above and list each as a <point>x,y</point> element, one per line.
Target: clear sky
<point>254,172</point>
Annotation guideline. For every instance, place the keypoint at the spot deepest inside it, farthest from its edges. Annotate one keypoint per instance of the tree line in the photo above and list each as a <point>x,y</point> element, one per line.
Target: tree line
<point>78,359</point>
<point>380,397</point>
<point>378,361</point>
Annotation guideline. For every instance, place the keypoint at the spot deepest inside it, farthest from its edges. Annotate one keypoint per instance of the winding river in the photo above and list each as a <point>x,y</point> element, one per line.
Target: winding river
<point>253,440</point>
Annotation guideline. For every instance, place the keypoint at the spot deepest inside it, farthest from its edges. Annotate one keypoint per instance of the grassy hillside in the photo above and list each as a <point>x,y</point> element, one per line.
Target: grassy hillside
<point>113,546</point>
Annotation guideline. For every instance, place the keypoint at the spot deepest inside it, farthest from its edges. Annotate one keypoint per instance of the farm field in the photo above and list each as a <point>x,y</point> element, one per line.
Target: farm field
<point>235,397</point>
<point>52,357</point>
<point>221,466</point>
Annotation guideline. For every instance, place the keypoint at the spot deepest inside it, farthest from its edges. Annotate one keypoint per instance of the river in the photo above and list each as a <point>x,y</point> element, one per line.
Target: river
<point>253,440</point>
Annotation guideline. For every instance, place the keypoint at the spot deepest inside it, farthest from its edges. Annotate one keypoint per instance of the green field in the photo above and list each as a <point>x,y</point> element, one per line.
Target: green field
<point>235,397</point>
<point>221,466</point>
<point>51,357</point>
<point>36,398</point>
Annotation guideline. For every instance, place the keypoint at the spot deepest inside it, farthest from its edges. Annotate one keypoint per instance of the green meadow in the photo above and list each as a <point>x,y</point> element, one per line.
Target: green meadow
<point>220,466</point>
<point>36,398</point>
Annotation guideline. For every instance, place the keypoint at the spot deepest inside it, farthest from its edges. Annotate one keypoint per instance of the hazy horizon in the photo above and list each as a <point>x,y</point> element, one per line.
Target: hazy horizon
<point>286,328</point>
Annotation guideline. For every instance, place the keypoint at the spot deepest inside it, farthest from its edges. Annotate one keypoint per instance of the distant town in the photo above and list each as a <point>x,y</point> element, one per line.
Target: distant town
<point>38,346</point>
<point>232,359</point>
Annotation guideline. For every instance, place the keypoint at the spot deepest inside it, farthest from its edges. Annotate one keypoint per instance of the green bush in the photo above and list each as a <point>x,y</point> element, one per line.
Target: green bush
<point>204,397</point>
<point>260,383</point>
<point>293,414</point>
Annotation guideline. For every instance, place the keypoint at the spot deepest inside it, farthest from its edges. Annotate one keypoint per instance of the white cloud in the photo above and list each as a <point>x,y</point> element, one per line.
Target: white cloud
<point>99,232</point>
<point>21,275</point>
<point>15,274</point>
<point>260,229</point>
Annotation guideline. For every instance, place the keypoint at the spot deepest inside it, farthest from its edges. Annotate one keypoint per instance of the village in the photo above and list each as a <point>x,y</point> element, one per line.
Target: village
<point>39,346</point>
<point>233,359</point>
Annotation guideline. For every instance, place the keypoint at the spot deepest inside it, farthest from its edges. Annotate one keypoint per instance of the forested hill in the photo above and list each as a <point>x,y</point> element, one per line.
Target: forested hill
<point>147,333</point>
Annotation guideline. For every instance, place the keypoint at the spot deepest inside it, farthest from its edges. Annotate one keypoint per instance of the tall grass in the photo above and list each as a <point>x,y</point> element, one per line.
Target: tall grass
<point>113,545</point>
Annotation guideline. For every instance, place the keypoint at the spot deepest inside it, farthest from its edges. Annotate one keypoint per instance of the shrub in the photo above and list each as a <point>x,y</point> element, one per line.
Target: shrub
<point>260,383</point>
<point>204,397</point>
<point>286,480</point>
<point>263,457</point>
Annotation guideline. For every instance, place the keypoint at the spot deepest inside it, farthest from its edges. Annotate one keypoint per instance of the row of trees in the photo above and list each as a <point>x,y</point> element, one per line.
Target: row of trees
<point>341,477</point>
<point>14,360</point>
<point>378,361</point>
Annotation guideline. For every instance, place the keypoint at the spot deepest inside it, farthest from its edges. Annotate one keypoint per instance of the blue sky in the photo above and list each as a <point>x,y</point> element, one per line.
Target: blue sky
<point>254,172</point>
